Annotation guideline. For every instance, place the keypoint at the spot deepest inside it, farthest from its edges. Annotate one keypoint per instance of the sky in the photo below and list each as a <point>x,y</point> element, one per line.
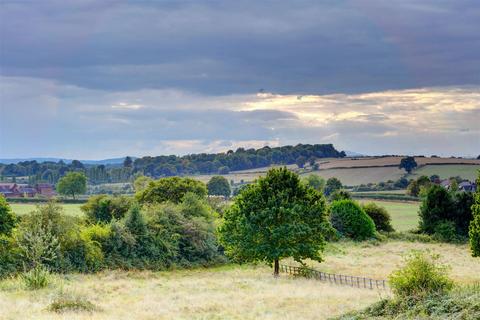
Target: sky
<point>103,79</point>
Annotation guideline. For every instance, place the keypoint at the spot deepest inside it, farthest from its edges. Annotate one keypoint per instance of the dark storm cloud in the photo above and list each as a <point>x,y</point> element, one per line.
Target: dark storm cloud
<point>223,47</point>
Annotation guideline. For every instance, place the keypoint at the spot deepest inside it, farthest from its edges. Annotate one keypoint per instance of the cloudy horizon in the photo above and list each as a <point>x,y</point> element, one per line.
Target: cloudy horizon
<point>96,80</point>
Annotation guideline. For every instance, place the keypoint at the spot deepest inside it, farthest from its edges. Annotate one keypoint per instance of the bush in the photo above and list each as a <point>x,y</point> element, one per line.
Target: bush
<point>104,208</point>
<point>10,260</point>
<point>419,278</point>
<point>445,231</point>
<point>7,217</point>
<point>170,189</point>
<point>349,219</point>
<point>380,216</point>
<point>37,278</point>
<point>436,206</point>
<point>219,186</point>
<point>67,302</point>
<point>474,229</point>
<point>340,195</point>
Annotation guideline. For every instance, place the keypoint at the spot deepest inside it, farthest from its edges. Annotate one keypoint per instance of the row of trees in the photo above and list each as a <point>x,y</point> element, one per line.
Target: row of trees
<point>162,166</point>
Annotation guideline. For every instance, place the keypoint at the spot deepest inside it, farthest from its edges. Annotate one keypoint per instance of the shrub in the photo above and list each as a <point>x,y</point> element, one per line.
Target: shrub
<point>445,231</point>
<point>380,216</point>
<point>68,301</point>
<point>419,278</point>
<point>340,195</point>
<point>332,185</point>
<point>7,217</point>
<point>104,208</point>
<point>436,206</point>
<point>474,229</point>
<point>37,278</point>
<point>170,189</point>
<point>10,260</point>
<point>349,219</point>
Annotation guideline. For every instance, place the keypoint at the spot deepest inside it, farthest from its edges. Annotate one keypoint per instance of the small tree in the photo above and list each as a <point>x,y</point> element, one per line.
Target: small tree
<point>437,206</point>
<point>141,183</point>
<point>219,186</point>
<point>73,183</point>
<point>274,218</point>
<point>7,217</point>
<point>171,189</point>
<point>474,232</point>
<point>128,162</point>
<point>349,219</point>
<point>301,161</point>
<point>315,181</point>
<point>408,163</point>
<point>379,215</point>
<point>333,184</point>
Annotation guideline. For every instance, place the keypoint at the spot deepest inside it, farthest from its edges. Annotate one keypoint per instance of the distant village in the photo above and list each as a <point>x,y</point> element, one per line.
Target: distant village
<point>21,190</point>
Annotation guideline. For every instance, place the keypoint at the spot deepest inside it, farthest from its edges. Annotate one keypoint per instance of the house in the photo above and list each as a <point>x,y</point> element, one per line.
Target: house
<point>45,190</point>
<point>467,186</point>
<point>10,190</point>
<point>26,190</point>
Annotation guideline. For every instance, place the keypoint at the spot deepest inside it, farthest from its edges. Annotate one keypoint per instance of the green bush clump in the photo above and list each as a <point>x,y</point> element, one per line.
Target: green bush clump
<point>420,277</point>
<point>68,302</point>
<point>474,229</point>
<point>8,219</point>
<point>349,219</point>
<point>171,189</point>
<point>104,208</point>
<point>37,278</point>
<point>445,231</point>
<point>380,216</point>
<point>340,195</point>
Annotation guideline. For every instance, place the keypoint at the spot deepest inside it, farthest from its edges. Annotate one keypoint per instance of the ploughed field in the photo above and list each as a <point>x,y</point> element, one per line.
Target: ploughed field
<point>229,292</point>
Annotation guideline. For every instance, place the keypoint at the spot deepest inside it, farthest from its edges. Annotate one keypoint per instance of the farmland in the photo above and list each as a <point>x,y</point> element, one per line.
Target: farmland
<point>356,171</point>
<point>24,208</point>
<point>229,292</point>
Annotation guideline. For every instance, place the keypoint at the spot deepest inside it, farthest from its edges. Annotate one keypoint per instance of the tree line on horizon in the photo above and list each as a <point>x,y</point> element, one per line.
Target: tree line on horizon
<point>172,165</point>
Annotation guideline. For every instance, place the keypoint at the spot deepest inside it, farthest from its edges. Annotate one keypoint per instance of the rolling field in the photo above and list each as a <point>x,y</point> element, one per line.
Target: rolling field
<point>24,208</point>
<point>469,172</point>
<point>404,214</point>
<point>356,171</point>
<point>230,292</point>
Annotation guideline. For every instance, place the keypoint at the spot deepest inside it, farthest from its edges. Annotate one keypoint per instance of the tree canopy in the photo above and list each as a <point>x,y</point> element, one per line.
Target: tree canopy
<point>171,189</point>
<point>73,183</point>
<point>332,185</point>
<point>408,163</point>
<point>274,218</point>
<point>474,231</point>
<point>219,186</point>
<point>7,217</point>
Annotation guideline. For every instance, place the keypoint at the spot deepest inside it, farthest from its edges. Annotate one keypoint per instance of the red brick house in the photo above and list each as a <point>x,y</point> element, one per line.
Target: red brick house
<point>45,190</point>
<point>10,190</point>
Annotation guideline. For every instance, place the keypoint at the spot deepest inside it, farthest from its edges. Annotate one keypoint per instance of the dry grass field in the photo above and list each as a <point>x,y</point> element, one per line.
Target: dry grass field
<point>230,292</point>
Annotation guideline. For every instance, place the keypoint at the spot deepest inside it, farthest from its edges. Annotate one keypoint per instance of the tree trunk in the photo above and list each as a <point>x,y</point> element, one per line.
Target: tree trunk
<point>276,269</point>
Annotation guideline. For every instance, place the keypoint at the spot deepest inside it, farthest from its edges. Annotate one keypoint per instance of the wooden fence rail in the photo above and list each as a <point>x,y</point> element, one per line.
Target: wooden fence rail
<point>359,282</point>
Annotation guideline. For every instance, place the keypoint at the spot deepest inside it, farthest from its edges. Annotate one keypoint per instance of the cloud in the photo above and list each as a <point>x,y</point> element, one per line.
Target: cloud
<point>231,47</point>
<point>48,118</point>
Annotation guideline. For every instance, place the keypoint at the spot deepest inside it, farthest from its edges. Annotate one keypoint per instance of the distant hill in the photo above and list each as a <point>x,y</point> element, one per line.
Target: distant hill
<point>353,154</point>
<point>111,161</point>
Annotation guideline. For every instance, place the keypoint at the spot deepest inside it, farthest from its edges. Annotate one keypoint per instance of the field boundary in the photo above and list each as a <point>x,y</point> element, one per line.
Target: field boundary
<point>339,279</point>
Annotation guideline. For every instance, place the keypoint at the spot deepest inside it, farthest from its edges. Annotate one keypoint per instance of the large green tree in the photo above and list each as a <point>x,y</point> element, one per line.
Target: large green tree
<point>171,189</point>
<point>219,186</point>
<point>274,218</point>
<point>73,183</point>
<point>474,232</point>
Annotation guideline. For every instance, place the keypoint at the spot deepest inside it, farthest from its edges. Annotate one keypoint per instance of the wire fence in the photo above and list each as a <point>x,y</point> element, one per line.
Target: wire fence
<point>340,279</point>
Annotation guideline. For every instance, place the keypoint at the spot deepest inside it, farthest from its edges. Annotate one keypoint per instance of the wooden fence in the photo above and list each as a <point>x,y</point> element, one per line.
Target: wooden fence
<point>340,279</point>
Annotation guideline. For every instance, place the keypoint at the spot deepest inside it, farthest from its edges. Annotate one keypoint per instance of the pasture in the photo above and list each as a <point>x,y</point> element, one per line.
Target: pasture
<point>72,209</point>
<point>404,214</point>
<point>231,291</point>
<point>469,172</point>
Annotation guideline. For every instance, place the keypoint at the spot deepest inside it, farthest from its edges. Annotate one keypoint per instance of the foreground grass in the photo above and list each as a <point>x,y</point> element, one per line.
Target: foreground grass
<point>72,209</point>
<point>230,292</point>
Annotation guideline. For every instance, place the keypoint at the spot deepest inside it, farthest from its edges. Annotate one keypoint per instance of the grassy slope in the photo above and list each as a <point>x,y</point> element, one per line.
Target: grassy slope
<point>231,292</point>
<point>404,214</point>
<point>447,171</point>
<point>24,208</point>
